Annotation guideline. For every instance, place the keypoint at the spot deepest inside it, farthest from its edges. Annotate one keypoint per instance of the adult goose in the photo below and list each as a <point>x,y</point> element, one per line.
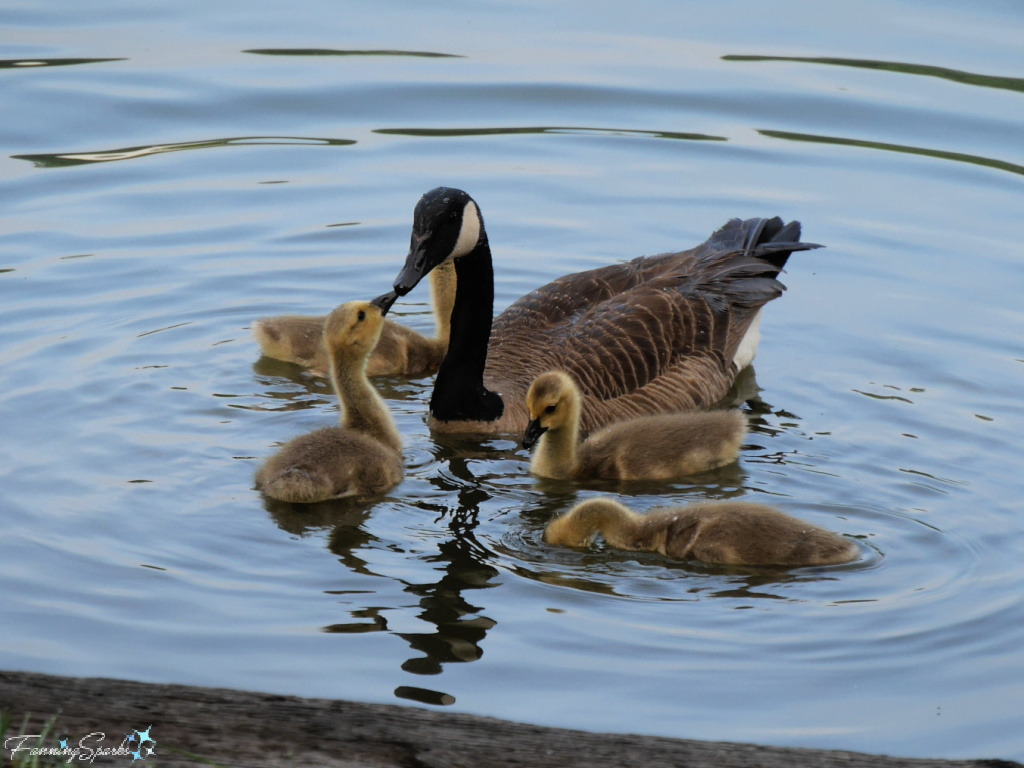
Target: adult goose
<point>401,351</point>
<point>657,334</point>
<point>724,532</point>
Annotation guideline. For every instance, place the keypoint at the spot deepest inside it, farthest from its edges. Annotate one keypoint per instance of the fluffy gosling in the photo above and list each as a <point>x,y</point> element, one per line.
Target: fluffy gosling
<point>363,456</point>
<point>662,447</point>
<point>400,352</point>
<point>724,532</point>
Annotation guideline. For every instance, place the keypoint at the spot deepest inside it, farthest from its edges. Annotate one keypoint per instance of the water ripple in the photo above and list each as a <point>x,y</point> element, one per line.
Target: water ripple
<point>336,52</point>
<point>956,75</point>
<point>33,63</point>
<point>61,160</point>
<point>958,157</point>
<point>569,130</point>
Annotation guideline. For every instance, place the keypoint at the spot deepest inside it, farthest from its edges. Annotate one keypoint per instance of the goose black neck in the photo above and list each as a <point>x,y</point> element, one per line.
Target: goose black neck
<point>459,392</point>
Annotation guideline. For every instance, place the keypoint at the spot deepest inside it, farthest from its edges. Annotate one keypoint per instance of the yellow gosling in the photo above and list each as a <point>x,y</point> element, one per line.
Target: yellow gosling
<point>724,532</point>
<point>363,456</point>
<point>663,447</point>
<point>400,352</point>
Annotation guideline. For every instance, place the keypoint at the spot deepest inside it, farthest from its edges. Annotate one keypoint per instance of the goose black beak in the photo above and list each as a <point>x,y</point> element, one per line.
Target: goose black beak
<point>533,432</point>
<point>385,302</point>
<point>417,265</point>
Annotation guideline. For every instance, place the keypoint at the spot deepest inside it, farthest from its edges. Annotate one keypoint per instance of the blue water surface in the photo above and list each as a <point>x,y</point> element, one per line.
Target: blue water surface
<point>171,171</point>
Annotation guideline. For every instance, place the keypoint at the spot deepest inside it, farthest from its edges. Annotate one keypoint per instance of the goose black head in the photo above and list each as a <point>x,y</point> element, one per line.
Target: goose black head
<point>446,225</point>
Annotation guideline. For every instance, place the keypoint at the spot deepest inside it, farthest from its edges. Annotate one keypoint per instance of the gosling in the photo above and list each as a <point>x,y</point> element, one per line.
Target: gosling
<point>725,532</point>
<point>362,457</point>
<point>662,447</point>
<point>400,352</point>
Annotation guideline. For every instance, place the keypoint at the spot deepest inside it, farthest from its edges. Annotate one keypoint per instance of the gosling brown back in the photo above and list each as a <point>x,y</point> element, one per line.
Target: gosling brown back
<point>661,447</point>
<point>330,463</point>
<point>727,533</point>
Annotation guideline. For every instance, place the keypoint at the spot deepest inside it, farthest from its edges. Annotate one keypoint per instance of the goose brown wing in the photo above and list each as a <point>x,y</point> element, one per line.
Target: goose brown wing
<point>653,335</point>
<point>754,248</point>
<point>654,349</point>
<point>565,299</point>
<point>623,344</point>
<point>658,350</point>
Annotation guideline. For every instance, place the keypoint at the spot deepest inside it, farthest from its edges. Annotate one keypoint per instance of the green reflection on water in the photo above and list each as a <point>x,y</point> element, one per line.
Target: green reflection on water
<point>333,52</point>
<point>959,157</point>
<point>455,132</point>
<point>956,75</point>
<point>35,63</point>
<point>64,159</point>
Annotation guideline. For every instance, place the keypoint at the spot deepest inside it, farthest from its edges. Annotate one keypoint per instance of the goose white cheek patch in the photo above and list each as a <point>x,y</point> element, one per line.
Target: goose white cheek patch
<point>470,232</point>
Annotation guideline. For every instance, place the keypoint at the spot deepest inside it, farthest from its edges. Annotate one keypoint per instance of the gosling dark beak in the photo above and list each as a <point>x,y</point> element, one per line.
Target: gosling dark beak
<point>385,301</point>
<point>416,267</point>
<point>533,432</point>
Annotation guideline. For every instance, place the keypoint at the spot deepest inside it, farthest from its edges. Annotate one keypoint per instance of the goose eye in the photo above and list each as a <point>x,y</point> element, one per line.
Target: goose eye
<point>550,409</point>
<point>361,316</point>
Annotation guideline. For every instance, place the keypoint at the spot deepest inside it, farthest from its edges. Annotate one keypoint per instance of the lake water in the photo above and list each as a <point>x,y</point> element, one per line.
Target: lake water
<point>171,171</point>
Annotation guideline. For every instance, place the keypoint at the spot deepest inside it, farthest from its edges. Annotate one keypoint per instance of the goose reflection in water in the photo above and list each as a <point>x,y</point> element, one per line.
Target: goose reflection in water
<point>459,626</point>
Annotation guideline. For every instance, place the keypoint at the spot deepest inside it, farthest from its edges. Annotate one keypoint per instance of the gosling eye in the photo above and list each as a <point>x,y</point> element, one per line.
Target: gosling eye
<point>361,316</point>
<point>550,409</point>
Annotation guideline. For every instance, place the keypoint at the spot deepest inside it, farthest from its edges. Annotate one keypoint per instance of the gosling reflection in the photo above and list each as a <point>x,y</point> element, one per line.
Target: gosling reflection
<point>285,387</point>
<point>345,520</point>
<point>376,623</point>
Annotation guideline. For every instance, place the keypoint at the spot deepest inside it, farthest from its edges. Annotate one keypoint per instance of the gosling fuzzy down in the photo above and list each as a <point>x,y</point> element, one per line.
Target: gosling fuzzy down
<point>723,532</point>
<point>662,447</point>
<point>363,456</point>
<point>400,351</point>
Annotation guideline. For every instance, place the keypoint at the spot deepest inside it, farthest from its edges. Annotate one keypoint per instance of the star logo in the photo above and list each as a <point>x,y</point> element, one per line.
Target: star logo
<point>144,750</point>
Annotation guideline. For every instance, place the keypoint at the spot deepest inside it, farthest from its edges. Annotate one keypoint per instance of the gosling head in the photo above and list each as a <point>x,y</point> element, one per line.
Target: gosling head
<point>446,225</point>
<point>354,328</point>
<point>553,402</point>
<point>579,526</point>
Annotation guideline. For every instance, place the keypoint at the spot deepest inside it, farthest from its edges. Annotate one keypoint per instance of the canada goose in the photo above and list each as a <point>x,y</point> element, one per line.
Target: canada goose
<point>661,447</point>
<point>725,532</point>
<point>400,351</point>
<point>363,456</point>
<point>658,334</point>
